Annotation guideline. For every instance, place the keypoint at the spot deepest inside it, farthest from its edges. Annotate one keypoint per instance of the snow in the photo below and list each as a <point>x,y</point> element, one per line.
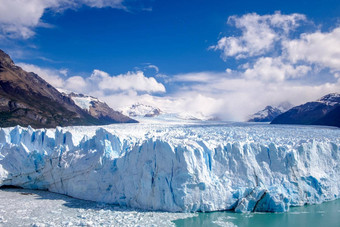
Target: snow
<point>81,100</point>
<point>178,166</point>
<point>141,110</point>
<point>84,102</point>
<point>261,114</point>
<point>332,99</point>
<point>269,113</point>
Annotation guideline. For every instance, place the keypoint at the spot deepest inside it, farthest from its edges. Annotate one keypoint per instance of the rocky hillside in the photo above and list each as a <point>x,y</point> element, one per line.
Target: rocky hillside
<point>97,109</point>
<point>325,111</point>
<point>26,99</point>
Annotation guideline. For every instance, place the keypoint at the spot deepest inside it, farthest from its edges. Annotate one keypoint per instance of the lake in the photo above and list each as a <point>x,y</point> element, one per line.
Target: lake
<point>326,214</point>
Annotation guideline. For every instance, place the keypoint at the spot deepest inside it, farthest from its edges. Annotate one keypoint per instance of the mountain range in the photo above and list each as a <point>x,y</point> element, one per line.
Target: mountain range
<point>26,99</point>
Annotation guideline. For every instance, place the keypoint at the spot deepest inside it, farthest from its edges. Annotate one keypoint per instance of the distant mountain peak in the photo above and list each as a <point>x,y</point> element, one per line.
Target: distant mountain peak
<point>141,110</point>
<point>330,99</point>
<point>269,113</point>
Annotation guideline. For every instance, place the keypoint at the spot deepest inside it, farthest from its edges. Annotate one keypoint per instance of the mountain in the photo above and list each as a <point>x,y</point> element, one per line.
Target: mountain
<point>98,109</point>
<point>150,113</point>
<point>26,99</point>
<point>142,110</point>
<point>325,111</point>
<point>269,113</point>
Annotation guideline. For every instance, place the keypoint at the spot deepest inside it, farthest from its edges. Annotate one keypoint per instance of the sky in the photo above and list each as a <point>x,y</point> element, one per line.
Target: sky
<point>225,59</point>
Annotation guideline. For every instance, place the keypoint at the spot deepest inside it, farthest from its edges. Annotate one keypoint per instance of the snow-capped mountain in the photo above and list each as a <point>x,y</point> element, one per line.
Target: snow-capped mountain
<point>324,111</point>
<point>269,113</point>
<point>177,168</point>
<point>97,109</point>
<point>141,110</point>
<point>332,99</point>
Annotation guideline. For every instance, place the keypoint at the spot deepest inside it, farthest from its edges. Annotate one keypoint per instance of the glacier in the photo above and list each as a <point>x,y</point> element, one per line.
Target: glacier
<point>178,167</point>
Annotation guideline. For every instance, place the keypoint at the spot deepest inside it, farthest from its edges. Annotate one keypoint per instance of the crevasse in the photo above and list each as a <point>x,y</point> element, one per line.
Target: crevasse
<point>177,168</point>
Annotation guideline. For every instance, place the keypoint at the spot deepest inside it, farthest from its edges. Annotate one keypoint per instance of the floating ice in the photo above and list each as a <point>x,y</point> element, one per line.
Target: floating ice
<point>198,167</point>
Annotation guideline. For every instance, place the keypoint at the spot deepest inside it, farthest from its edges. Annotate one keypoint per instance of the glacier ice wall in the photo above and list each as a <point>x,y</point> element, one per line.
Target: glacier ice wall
<point>177,168</point>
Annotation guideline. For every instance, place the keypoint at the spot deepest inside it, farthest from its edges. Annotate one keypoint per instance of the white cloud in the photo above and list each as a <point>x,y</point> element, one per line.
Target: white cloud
<point>131,81</point>
<point>197,76</point>
<point>18,18</point>
<point>316,48</point>
<point>259,34</point>
<point>274,69</point>
<point>135,81</point>
<point>75,83</point>
<point>97,76</point>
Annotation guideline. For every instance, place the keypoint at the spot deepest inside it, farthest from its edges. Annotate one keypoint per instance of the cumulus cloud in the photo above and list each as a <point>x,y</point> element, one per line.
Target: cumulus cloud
<point>18,18</point>
<point>75,83</point>
<point>259,34</point>
<point>316,48</point>
<point>131,81</point>
<point>274,69</point>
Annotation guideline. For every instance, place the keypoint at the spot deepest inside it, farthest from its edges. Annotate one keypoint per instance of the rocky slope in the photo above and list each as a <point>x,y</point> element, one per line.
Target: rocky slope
<point>98,109</point>
<point>26,99</point>
<point>325,111</point>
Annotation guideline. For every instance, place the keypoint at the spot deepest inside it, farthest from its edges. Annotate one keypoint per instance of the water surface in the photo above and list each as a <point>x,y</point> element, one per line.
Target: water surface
<point>323,215</point>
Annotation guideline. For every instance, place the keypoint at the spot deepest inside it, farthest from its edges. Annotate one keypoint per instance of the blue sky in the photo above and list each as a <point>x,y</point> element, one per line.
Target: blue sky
<point>183,55</point>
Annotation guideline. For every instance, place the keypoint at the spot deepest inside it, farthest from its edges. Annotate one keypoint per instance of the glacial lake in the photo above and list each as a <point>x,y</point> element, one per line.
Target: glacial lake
<point>322,215</point>
<point>22,207</point>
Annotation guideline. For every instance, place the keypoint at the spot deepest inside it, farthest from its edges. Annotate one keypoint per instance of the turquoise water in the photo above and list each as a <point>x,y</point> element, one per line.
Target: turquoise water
<point>323,215</point>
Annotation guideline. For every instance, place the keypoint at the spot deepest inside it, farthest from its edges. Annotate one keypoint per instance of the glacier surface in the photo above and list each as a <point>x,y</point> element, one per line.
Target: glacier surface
<point>178,167</point>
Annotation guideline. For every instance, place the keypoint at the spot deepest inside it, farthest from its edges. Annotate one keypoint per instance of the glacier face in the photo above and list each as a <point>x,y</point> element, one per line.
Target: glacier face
<point>178,167</point>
